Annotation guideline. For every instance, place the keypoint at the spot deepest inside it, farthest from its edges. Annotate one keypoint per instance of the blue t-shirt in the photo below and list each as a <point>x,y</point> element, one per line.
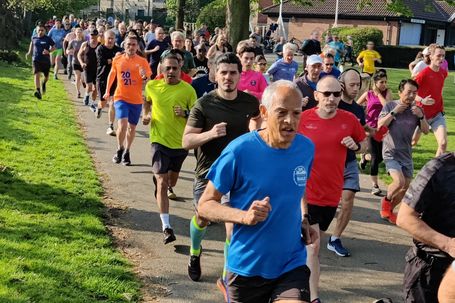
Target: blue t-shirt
<point>57,35</point>
<point>39,44</point>
<point>339,47</point>
<point>335,72</point>
<point>202,85</point>
<point>249,169</point>
<point>281,70</point>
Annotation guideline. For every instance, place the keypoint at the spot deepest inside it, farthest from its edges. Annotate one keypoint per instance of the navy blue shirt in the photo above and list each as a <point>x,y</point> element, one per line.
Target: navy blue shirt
<point>359,112</point>
<point>202,85</point>
<point>155,57</point>
<point>39,45</point>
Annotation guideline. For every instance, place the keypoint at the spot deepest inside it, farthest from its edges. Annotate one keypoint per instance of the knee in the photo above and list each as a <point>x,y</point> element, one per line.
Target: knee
<point>162,182</point>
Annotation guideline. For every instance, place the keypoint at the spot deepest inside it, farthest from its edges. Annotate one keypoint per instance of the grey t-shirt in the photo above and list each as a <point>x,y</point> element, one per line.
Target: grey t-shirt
<point>397,143</point>
<point>76,45</point>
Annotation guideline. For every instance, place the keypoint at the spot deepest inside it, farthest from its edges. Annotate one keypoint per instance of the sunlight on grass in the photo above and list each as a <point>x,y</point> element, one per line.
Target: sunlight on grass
<point>53,244</point>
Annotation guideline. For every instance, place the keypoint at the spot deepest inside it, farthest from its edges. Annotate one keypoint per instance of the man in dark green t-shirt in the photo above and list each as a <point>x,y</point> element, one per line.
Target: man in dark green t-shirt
<point>217,118</point>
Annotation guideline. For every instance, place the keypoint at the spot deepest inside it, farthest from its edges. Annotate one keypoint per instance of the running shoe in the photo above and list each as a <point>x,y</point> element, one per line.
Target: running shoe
<point>37,94</point>
<point>110,131</point>
<point>317,300</point>
<point>43,87</point>
<point>118,156</point>
<point>86,99</point>
<point>168,236</point>
<point>222,287</point>
<point>386,211</point>
<point>98,113</point>
<point>55,77</point>
<point>337,247</point>
<point>170,194</point>
<point>194,267</point>
<point>362,162</point>
<point>93,107</point>
<point>126,158</point>
<point>375,190</point>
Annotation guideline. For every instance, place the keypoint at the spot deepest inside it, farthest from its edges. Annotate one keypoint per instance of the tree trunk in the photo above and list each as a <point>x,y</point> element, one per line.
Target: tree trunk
<point>180,14</point>
<point>237,20</point>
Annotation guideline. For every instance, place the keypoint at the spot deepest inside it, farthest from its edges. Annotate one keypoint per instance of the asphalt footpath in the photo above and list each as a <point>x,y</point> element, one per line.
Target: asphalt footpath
<point>375,269</point>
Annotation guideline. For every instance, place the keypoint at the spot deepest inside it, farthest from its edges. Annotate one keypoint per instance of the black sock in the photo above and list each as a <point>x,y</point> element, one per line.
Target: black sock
<point>38,90</point>
<point>111,125</point>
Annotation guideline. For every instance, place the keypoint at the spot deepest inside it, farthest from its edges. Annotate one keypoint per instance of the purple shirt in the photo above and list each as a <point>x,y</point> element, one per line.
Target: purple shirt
<point>374,108</point>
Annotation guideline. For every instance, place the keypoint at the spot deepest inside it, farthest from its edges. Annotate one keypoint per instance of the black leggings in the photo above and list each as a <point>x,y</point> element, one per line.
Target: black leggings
<point>376,156</point>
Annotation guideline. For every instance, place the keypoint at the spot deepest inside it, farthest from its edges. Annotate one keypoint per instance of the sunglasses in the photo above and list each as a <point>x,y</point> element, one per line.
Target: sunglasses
<point>262,64</point>
<point>329,64</point>
<point>327,94</point>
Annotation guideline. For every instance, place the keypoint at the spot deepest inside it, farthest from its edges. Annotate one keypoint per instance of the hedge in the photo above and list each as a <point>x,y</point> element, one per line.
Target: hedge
<point>360,36</point>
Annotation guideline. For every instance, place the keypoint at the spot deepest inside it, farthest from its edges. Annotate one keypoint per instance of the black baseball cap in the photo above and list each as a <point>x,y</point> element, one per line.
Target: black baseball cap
<point>94,32</point>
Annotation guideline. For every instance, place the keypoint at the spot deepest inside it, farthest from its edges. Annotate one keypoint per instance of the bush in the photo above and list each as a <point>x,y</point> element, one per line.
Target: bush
<point>10,57</point>
<point>360,36</point>
<point>213,14</point>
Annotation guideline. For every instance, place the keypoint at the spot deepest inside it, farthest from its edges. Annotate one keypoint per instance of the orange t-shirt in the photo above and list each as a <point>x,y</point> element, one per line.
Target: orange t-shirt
<point>129,81</point>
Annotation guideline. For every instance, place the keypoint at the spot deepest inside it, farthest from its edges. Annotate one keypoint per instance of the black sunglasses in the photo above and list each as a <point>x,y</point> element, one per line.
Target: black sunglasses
<point>329,64</point>
<point>327,94</point>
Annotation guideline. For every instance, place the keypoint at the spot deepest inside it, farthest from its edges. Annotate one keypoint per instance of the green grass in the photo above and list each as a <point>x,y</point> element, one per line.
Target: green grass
<point>54,246</point>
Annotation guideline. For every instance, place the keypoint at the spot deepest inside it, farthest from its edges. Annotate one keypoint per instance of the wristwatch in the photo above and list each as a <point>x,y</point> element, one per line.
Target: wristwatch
<point>392,113</point>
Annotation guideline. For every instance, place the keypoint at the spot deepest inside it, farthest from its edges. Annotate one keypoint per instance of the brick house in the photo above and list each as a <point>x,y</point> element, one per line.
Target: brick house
<point>431,21</point>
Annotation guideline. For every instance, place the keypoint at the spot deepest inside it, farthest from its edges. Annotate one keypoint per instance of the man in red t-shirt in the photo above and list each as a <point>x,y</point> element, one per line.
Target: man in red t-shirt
<point>429,95</point>
<point>333,131</point>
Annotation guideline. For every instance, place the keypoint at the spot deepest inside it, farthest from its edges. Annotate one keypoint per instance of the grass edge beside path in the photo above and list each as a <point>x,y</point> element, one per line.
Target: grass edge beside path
<point>54,246</point>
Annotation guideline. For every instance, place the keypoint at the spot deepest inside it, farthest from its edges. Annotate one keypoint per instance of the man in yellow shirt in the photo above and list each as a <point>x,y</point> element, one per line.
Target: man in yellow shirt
<point>170,101</point>
<point>367,59</point>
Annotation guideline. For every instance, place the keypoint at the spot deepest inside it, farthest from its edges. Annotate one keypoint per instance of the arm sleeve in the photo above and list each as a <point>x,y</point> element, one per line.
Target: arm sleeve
<point>223,171</point>
<point>358,131</point>
<point>272,69</point>
<point>147,68</point>
<point>196,118</point>
<point>385,110</point>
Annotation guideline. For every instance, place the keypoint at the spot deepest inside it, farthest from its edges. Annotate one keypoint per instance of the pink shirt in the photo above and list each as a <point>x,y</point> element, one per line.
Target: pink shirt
<point>254,82</point>
<point>374,108</point>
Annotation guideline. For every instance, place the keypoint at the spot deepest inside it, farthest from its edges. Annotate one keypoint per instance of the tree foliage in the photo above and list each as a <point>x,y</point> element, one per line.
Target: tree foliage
<point>55,7</point>
<point>191,9</point>
<point>213,14</point>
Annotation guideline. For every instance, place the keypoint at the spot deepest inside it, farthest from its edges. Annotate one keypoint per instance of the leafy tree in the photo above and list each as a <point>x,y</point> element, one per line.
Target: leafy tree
<point>191,8</point>
<point>213,14</point>
<point>55,7</point>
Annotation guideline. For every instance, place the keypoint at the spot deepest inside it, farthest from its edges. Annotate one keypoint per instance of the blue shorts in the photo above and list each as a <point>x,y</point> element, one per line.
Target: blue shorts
<point>406,169</point>
<point>124,110</point>
<point>437,121</point>
<point>351,176</point>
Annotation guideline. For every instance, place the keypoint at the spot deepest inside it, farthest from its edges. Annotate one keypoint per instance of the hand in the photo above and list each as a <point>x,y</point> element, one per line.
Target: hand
<point>156,48</point>
<point>349,143</point>
<point>45,52</point>
<point>372,131</point>
<point>146,119</point>
<point>178,111</point>
<point>451,247</point>
<point>142,72</point>
<point>305,100</point>
<point>219,130</point>
<point>84,65</point>
<point>258,212</point>
<point>417,111</point>
<point>400,108</point>
<point>427,100</point>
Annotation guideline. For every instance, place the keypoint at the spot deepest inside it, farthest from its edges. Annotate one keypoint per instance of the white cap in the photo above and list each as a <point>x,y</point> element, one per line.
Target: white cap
<point>426,51</point>
<point>314,59</point>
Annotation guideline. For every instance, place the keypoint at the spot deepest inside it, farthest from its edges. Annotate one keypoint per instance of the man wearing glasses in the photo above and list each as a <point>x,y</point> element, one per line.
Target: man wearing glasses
<point>333,133</point>
<point>328,66</point>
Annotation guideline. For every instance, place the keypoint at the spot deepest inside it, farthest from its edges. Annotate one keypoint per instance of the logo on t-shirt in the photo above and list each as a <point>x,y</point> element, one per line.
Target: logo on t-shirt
<point>300,176</point>
<point>253,83</point>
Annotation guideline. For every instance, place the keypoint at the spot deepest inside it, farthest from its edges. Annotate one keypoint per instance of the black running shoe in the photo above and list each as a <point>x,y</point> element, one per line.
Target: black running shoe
<point>98,112</point>
<point>43,87</point>
<point>118,156</point>
<point>126,158</point>
<point>86,99</point>
<point>37,94</point>
<point>194,267</point>
<point>93,107</point>
<point>168,236</point>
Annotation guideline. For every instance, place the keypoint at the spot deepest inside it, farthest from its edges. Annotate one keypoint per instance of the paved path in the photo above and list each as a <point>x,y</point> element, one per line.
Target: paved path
<point>374,270</point>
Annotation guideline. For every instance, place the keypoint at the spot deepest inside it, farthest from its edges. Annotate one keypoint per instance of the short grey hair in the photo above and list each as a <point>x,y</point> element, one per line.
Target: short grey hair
<point>177,34</point>
<point>289,46</point>
<point>270,91</point>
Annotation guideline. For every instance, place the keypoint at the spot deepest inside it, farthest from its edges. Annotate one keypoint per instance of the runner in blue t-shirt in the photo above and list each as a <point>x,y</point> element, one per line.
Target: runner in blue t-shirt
<point>265,262</point>
<point>40,48</point>
<point>57,34</point>
<point>284,68</point>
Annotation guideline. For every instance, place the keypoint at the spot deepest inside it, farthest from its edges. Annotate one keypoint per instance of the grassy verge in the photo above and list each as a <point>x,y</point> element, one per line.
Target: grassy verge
<point>53,244</point>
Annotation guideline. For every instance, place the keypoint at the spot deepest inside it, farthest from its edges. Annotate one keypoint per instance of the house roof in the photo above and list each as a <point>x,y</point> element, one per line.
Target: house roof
<point>432,10</point>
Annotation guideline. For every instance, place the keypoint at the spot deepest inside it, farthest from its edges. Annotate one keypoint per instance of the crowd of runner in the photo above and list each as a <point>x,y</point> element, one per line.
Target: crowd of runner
<point>250,125</point>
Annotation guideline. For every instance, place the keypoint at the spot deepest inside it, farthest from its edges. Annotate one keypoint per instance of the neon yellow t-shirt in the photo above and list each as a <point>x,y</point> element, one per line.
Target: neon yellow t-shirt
<point>166,128</point>
<point>368,60</point>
